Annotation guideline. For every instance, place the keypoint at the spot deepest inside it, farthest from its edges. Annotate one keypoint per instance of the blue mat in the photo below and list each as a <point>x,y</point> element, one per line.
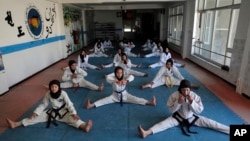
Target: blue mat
<point>113,122</point>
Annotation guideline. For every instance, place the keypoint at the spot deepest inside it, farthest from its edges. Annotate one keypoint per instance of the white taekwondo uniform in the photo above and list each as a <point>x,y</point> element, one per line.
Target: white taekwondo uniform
<point>107,44</point>
<point>156,51</point>
<point>98,51</point>
<point>85,65</point>
<point>167,76</point>
<point>187,111</point>
<point>127,49</point>
<point>118,92</point>
<point>163,59</point>
<point>68,82</point>
<point>127,69</point>
<point>68,110</point>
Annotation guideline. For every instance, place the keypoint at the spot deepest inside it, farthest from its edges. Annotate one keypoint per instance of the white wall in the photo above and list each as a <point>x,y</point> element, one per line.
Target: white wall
<point>24,56</point>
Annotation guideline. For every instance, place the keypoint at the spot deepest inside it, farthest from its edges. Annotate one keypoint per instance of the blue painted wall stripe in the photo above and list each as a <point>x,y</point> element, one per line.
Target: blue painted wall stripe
<point>23,46</point>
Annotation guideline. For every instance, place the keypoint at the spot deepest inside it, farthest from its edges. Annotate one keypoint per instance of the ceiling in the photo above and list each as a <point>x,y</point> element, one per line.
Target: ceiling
<point>119,4</point>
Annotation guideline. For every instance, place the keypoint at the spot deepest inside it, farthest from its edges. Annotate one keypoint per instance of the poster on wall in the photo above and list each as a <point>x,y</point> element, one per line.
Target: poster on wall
<point>1,62</point>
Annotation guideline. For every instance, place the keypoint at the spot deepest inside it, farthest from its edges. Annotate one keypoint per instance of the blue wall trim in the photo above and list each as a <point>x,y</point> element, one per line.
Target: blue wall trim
<point>23,46</point>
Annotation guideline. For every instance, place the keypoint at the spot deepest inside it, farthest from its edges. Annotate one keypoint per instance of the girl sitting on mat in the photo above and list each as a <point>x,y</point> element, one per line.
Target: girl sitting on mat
<point>126,64</point>
<point>157,50</point>
<point>168,75</point>
<point>185,105</point>
<point>165,55</point>
<point>119,82</point>
<point>83,61</point>
<point>73,76</point>
<point>62,110</point>
<point>116,60</point>
<point>98,50</point>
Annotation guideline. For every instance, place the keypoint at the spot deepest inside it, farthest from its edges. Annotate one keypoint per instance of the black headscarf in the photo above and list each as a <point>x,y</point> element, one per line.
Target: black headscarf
<point>58,93</point>
<point>116,69</point>
<point>71,62</point>
<point>82,57</point>
<point>124,54</point>
<point>170,61</point>
<point>165,51</point>
<point>184,84</point>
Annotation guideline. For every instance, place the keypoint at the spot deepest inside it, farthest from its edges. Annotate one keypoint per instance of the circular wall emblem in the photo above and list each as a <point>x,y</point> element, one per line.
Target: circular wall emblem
<point>34,22</point>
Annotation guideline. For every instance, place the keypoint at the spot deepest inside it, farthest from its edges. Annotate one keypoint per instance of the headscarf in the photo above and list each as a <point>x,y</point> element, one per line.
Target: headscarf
<point>82,56</point>
<point>116,69</point>
<point>170,61</point>
<point>165,50</point>
<point>124,54</point>
<point>58,93</point>
<point>184,84</point>
<point>71,62</point>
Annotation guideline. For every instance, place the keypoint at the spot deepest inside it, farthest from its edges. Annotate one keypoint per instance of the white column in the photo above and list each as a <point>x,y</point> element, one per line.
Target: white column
<point>187,34</point>
<point>243,32</point>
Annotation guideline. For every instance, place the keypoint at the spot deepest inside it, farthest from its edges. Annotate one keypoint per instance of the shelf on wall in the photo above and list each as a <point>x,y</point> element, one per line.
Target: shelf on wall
<point>105,30</point>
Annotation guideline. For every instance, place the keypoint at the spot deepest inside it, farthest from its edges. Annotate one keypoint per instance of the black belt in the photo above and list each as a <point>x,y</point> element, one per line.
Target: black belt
<point>185,123</point>
<point>121,98</point>
<point>56,113</point>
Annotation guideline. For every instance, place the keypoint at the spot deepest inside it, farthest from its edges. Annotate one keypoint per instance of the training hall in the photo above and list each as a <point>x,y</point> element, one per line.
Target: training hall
<point>207,38</point>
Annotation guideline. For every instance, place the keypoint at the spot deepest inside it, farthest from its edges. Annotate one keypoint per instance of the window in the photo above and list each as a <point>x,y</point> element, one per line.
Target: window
<point>214,30</point>
<point>208,23</point>
<point>175,25</point>
<point>221,3</point>
<point>210,4</point>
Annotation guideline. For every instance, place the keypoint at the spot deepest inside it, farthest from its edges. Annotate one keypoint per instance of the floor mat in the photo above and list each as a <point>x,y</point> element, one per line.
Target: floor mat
<point>113,122</point>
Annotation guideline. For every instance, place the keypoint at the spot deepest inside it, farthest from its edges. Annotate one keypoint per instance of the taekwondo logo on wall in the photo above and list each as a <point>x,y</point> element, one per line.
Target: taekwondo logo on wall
<point>34,22</point>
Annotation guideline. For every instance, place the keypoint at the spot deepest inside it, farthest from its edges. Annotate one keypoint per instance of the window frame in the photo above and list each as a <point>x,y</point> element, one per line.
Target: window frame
<point>199,43</point>
<point>174,15</point>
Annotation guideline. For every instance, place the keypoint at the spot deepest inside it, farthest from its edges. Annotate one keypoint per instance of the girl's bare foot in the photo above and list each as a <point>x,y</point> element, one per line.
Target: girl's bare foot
<point>87,104</point>
<point>101,87</point>
<point>88,126</point>
<point>141,131</point>
<point>143,87</point>
<point>146,85</point>
<point>11,123</point>
<point>152,102</point>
